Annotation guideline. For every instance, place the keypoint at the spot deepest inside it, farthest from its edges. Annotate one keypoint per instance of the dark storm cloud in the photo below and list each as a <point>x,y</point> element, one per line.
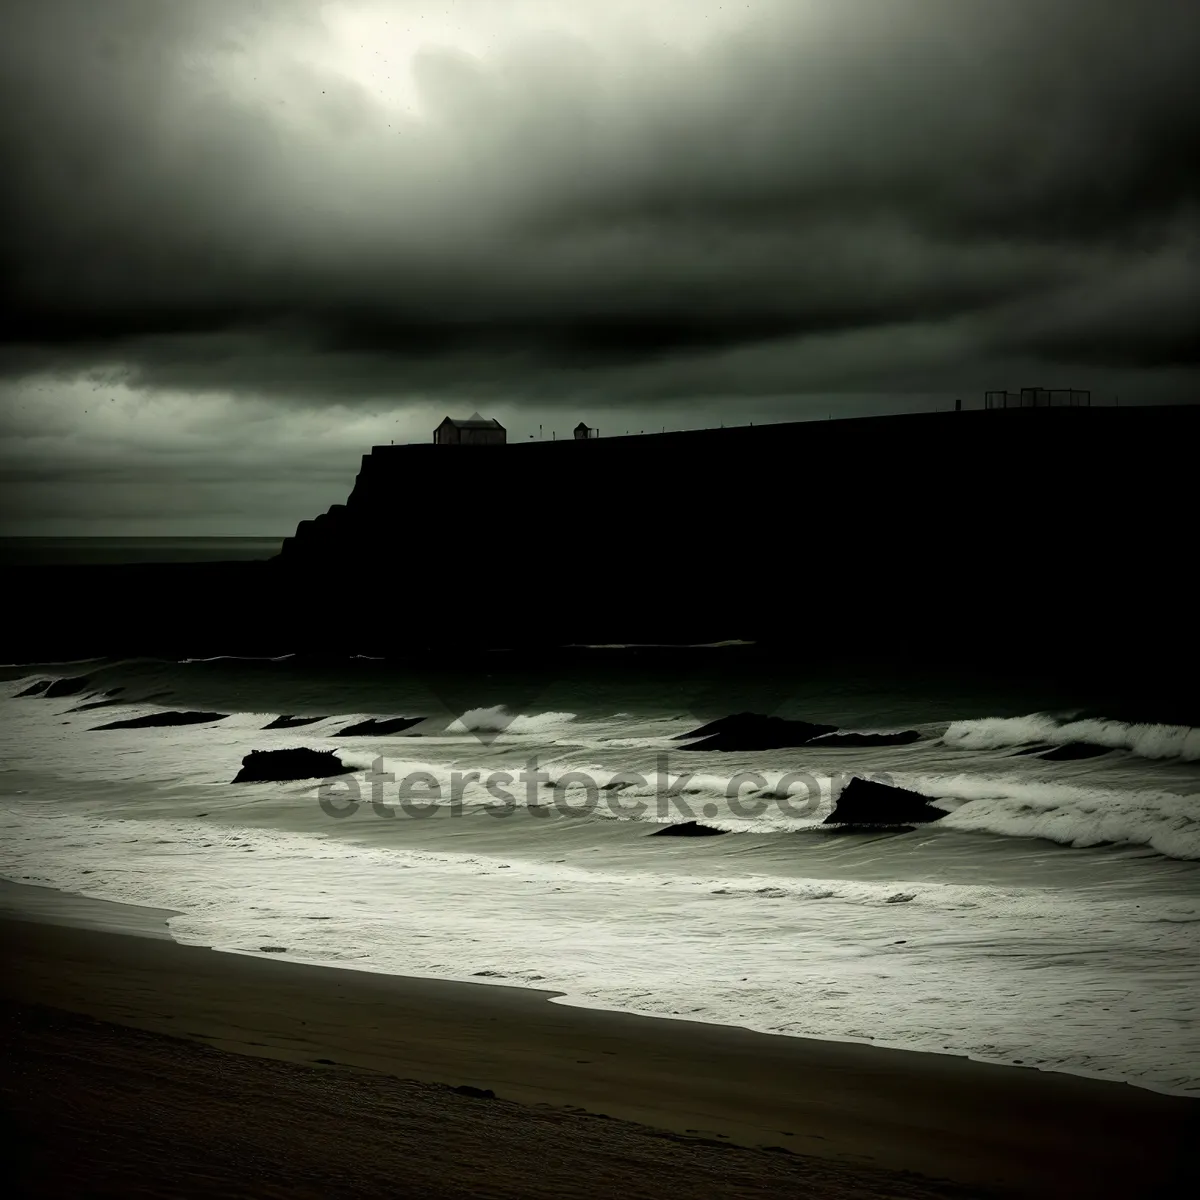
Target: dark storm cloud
<point>842,195</point>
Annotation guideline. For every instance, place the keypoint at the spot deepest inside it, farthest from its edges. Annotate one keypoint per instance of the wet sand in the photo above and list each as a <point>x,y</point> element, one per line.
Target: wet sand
<point>192,1072</point>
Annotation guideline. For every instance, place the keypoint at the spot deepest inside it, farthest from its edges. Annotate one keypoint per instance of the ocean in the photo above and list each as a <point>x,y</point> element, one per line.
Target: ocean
<point>1051,917</point>
<point>106,551</point>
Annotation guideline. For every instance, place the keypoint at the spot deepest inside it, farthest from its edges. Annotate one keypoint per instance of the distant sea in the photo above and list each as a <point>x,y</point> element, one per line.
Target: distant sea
<point>54,551</point>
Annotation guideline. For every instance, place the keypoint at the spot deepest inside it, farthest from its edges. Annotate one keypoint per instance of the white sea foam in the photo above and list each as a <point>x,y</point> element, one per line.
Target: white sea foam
<point>1075,979</point>
<point>498,719</point>
<point>1067,981</point>
<point>1148,741</point>
<point>47,736</point>
<point>1070,814</point>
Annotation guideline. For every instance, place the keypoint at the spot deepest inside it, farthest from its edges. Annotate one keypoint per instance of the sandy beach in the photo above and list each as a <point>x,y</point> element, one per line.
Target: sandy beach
<point>133,1058</point>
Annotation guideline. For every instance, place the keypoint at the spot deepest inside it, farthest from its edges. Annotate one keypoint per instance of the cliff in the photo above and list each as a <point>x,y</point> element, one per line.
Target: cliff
<point>1065,535</point>
<point>1029,523</point>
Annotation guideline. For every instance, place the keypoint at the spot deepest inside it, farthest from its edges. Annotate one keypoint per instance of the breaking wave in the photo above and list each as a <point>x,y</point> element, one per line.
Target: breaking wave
<point>1147,741</point>
<point>499,720</point>
<point>1068,814</point>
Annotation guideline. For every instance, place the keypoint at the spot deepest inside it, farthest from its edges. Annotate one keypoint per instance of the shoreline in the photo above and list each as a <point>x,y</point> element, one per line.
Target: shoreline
<point>45,903</point>
<point>192,1122</point>
<point>1014,1130</point>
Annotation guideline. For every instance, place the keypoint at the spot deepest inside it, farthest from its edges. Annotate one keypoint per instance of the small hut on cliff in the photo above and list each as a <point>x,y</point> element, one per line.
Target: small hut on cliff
<point>474,431</point>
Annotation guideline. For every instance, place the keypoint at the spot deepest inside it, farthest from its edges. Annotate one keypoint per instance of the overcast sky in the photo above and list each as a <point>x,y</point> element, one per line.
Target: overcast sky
<point>243,240</point>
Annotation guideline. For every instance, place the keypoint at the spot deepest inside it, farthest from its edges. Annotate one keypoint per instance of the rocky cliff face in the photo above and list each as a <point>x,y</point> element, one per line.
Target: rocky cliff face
<point>1014,524</point>
<point>1061,536</point>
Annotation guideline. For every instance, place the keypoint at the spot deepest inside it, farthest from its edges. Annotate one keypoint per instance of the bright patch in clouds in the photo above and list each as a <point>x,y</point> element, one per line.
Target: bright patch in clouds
<point>377,47</point>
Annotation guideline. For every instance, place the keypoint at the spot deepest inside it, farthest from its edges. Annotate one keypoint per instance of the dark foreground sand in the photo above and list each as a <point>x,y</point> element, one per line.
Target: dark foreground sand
<point>197,1073</point>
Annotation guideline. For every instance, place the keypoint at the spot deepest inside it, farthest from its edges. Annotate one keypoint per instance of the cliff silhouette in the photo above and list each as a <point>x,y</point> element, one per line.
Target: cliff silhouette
<point>1012,520</point>
<point>1067,531</point>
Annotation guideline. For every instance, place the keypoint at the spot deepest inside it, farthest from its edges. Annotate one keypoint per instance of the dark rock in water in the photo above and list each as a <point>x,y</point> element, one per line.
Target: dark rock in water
<point>860,740</point>
<point>865,802</point>
<point>865,831</point>
<point>66,687</point>
<point>282,766</point>
<point>1071,751</point>
<point>373,726</point>
<point>160,720</point>
<point>292,722</point>
<point>273,949</point>
<point>686,829</point>
<point>752,731</point>
<point>1067,752</point>
<point>51,689</point>
<point>465,1089</point>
